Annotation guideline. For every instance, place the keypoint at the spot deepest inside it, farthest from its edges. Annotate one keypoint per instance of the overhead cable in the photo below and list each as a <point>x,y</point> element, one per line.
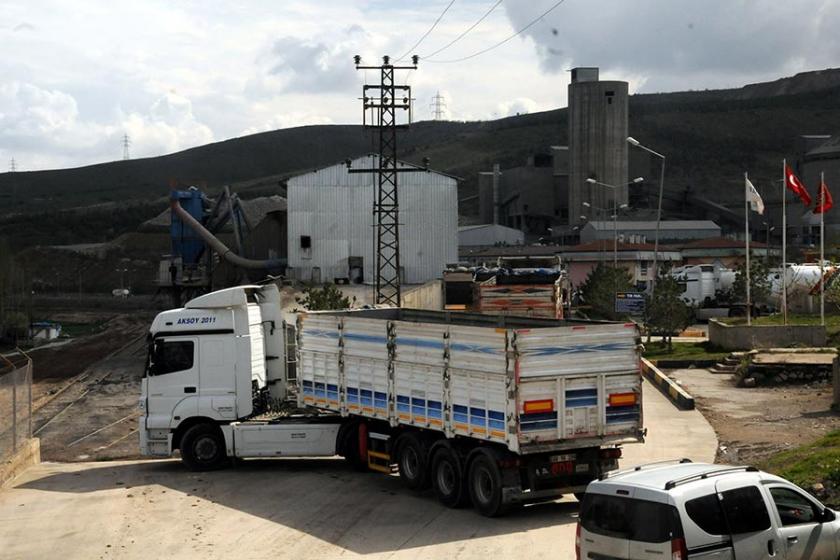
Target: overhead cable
<point>461,36</point>
<point>426,34</point>
<point>502,42</point>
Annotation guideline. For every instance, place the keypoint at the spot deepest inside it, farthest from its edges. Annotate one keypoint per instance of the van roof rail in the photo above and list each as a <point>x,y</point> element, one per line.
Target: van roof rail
<point>637,468</point>
<point>706,474</point>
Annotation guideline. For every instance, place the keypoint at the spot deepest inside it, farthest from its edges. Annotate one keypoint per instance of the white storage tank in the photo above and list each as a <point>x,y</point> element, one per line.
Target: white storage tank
<point>331,223</point>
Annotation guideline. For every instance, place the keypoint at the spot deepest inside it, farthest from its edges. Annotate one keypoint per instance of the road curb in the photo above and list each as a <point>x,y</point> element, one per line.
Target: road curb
<point>676,394</point>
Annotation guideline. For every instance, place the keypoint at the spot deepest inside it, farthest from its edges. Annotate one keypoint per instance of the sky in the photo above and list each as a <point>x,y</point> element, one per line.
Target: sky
<point>78,76</point>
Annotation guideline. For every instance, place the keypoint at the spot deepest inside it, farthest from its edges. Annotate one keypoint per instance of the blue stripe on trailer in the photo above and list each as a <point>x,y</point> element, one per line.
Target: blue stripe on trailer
<point>435,413</point>
<point>419,343</point>
<point>545,425</point>
<point>402,399</point>
<point>435,405</point>
<point>581,401</point>
<point>418,402</point>
<point>619,418</point>
<point>538,416</point>
<point>497,424</point>
<point>478,412</point>
<point>475,348</point>
<point>496,415</point>
<point>577,349</point>
<point>572,393</point>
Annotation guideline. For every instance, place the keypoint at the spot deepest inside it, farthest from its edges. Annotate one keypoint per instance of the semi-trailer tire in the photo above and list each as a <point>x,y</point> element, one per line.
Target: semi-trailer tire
<point>448,478</point>
<point>203,448</point>
<point>484,481</point>
<point>412,462</point>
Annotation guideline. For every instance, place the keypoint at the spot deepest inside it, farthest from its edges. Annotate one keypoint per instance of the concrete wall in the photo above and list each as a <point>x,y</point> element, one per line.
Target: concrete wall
<point>28,454</point>
<point>742,337</point>
<point>428,296</point>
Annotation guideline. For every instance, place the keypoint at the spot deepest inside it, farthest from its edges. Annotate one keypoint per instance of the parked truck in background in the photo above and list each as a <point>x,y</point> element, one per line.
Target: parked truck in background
<point>493,410</point>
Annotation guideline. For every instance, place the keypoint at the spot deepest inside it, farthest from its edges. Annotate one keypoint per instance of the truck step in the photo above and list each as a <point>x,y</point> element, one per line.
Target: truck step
<point>380,462</point>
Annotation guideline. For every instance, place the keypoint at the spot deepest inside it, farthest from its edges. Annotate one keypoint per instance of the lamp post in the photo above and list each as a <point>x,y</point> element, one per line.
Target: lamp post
<point>615,210</point>
<point>633,142</point>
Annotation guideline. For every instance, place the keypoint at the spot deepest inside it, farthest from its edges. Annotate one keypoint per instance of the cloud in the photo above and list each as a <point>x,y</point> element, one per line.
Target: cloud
<point>42,127</point>
<point>314,67</point>
<point>24,26</point>
<point>683,44</point>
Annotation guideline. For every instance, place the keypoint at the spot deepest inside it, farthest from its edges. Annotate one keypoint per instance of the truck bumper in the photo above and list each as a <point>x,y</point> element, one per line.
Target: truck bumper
<point>154,443</point>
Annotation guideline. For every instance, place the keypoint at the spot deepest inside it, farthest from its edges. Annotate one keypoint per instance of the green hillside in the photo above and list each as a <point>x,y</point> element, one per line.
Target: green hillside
<point>710,138</point>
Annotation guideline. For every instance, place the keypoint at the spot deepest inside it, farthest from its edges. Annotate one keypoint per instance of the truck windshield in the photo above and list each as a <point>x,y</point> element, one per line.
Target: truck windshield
<point>630,519</point>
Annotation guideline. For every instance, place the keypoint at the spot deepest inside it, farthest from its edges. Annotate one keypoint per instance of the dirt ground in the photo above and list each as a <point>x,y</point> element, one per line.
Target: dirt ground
<point>85,391</point>
<point>754,423</point>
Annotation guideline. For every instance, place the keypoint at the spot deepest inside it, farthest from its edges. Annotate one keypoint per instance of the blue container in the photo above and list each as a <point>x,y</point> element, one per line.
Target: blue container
<point>185,242</point>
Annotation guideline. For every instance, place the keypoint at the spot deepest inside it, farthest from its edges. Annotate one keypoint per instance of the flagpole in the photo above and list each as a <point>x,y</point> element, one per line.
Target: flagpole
<point>747,240</point>
<point>822,247</point>
<point>784,243</point>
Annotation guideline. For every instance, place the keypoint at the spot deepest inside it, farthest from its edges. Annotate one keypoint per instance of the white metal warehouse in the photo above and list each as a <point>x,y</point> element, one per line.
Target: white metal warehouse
<point>331,233</point>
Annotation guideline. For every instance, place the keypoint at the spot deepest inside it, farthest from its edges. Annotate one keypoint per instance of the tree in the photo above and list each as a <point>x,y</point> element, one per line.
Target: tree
<point>759,282</point>
<point>327,297</point>
<point>665,313</point>
<point>600,287</point>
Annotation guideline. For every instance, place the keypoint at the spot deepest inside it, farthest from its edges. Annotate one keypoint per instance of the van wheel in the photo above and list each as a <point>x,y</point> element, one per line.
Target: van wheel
<point>411,460</point>
<point>203,448</point>
<point>447,478</point>
<point>485,486</point>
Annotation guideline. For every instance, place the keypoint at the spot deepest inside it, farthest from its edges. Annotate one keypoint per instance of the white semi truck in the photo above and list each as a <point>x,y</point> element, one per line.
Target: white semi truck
<point>489,409</point>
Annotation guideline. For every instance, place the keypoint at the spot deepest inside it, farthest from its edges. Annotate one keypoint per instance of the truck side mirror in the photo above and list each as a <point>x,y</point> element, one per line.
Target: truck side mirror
<point>157,349</point>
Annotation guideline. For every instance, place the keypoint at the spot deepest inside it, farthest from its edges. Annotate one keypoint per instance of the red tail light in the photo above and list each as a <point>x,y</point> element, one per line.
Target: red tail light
<point>678,549</point>
<point>577,542</point>
<point>611,453</point>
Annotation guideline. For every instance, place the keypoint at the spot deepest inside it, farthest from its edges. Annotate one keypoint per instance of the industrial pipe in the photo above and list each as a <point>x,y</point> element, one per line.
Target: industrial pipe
<point>216,244</point>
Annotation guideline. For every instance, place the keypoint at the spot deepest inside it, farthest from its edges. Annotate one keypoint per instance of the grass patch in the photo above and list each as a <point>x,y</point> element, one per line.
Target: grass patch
<point>81,329</point>
<point>684,351</point>
<point>815,462</point>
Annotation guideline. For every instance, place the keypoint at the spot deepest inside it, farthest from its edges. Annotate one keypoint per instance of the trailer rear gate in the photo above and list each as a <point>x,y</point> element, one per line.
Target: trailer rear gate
<point>529,384</point>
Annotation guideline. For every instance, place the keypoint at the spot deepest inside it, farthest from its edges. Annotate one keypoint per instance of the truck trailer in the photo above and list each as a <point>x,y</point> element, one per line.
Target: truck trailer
<point>493,410</point>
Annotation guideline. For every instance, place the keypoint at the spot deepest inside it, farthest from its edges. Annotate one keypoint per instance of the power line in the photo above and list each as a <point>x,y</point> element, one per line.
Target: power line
<point>461,36</point>
<point>426,34</point>
<point>502,42</point>
<point>438,106</point>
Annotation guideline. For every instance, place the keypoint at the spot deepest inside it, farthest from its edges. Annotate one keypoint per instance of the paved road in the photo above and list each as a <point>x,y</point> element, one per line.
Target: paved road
<point>290,509</point>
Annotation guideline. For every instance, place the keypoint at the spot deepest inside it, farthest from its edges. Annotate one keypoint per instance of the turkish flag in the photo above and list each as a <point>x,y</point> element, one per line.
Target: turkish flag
<point>793,183</point>
<point>825,201</point>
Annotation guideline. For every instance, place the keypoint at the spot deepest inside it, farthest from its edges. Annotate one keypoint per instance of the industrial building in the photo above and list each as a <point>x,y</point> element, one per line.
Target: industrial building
<point>669,230</point>
<point>598,130</point>
<point>483,235</point>
<point>330,225</point>
<point>531,197</point>
<point>637,258</point>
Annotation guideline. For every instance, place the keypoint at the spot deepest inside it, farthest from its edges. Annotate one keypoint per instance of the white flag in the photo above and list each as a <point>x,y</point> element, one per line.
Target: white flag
<point>756,204</point>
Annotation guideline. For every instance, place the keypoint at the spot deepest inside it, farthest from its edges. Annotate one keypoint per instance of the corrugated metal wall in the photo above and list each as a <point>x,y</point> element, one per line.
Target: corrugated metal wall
<point>335,209</point>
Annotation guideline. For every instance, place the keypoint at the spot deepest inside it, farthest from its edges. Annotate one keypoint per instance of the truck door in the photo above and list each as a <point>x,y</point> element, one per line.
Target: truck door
<point>754,536</point>
<point>801,525</point>
<point>172,381</point>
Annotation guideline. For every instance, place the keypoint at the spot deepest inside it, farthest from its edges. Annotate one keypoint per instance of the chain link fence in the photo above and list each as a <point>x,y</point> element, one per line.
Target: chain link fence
<point>15,402</point>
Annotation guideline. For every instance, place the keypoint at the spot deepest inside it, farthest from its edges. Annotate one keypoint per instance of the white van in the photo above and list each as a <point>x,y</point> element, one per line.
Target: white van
<point>703,511</point>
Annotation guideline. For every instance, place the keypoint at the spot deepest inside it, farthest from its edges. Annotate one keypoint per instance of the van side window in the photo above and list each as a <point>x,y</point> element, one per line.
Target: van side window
<point>171,356</point>
<point>793,507</point>
<point>745,510</point>
<point>706,513</point>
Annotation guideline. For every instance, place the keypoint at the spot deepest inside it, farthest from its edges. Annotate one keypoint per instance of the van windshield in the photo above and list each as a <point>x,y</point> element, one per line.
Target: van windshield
<point>631,519</point>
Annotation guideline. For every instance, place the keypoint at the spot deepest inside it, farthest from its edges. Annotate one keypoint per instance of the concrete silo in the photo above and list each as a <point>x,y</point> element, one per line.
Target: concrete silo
<point>597,142</point>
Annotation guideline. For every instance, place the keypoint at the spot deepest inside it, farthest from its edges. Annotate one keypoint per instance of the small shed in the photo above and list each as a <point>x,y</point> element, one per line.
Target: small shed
<point>44,330</point>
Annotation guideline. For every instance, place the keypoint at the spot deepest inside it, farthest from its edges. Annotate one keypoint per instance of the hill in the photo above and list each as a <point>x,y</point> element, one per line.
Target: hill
<point>710,138</point>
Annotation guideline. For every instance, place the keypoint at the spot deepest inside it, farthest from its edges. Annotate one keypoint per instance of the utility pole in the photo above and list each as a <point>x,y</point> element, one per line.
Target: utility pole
<point>438,106</point>
<point>379,112</point>
<point>126,142</point>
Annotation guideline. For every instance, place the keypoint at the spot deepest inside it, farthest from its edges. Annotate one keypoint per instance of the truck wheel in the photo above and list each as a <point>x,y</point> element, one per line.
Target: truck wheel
<point>411,460</point>
<point>447,479</point>
<point>203,448</point>
<point>485,486</point>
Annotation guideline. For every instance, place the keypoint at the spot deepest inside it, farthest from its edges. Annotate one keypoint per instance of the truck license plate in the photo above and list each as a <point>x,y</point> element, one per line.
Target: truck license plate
<point>556,469</point>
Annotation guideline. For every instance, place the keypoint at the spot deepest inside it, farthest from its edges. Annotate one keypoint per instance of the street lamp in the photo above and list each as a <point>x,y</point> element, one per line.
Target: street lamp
<point>633,142</point>
<point>614,188</point>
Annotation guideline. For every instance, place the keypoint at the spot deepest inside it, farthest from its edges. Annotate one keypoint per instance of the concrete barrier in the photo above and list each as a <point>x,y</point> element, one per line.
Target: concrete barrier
<point>668,387</point>
<point>427,296</point>
<point>743,337</point>
<point>28,455</point>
